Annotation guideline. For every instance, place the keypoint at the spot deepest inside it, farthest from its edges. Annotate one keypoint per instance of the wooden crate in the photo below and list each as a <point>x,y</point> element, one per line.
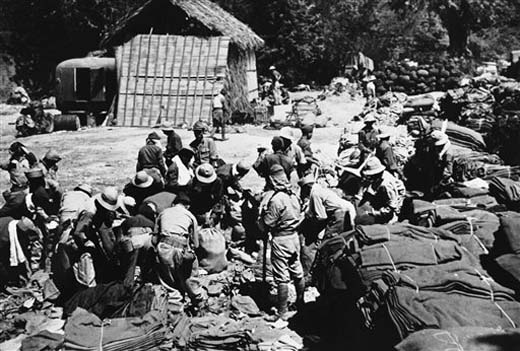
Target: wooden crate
<point>169,77</point>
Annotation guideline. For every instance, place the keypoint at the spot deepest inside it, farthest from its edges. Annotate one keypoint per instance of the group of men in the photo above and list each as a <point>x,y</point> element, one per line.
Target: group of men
<point>153,225</point>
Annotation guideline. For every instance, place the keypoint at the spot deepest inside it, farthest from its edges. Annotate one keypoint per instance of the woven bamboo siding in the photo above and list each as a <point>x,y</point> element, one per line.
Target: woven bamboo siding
<point>168,77</point>
<point>252,79</point>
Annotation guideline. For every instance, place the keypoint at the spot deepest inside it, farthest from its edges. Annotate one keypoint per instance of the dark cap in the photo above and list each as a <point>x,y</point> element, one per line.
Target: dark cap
<point>154,136</point>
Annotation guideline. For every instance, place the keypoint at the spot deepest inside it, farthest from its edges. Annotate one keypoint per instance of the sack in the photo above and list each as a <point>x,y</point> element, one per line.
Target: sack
<point>212,250</point>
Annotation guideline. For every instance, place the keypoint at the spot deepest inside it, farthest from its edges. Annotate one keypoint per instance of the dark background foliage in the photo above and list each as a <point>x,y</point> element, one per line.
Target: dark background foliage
<point>308,40</point>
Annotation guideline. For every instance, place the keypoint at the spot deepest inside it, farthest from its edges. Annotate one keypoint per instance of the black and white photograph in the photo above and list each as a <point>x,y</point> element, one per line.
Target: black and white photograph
<point>259,175</point>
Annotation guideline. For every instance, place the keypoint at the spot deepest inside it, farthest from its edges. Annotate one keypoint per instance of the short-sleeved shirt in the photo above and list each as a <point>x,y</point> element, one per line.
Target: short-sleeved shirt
<point>175,220</point>
<point>282,213</point>
<point>205,151</point>
<point>219,101</point>
<point>324,202</point>
<point>389,193</point>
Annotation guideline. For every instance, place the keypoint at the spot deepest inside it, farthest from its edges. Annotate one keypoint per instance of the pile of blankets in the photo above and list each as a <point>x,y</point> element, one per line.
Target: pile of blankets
<point>406,278</point>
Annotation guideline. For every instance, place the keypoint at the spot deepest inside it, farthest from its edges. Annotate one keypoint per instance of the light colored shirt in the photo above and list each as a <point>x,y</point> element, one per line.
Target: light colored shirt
<point>296,154</point>
<point>282,213</point>
<point>389,193</point>
<point>75,202</point>
<point>219,101</point>
<point>176,220</point>
<point>323,202</point>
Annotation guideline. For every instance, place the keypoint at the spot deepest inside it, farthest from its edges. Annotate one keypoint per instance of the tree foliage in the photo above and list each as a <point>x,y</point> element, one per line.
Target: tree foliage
<point>309,40</point>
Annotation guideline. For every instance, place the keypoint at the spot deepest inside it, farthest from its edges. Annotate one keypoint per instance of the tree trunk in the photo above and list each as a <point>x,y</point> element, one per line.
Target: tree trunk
<point>458,40</point>
<point>456,21</point>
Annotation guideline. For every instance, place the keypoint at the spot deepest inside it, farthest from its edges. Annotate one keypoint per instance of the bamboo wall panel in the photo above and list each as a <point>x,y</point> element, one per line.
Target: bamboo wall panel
<point>168,77</point>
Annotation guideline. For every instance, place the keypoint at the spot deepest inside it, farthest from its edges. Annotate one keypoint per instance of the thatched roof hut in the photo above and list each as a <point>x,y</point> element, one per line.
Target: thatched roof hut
<point>217,51</point>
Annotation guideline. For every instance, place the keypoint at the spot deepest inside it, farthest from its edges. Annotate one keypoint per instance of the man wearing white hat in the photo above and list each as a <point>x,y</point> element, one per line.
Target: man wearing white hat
<point>443,160</point>
<point>205,193</point>
<point>93,235</point>
<point>367,136</point>
<point>141,187</point>
<point>290,138</point>
<point>383,194</point>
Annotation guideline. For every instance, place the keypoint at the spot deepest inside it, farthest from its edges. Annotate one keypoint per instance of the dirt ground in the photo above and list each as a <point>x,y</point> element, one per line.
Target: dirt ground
<point>107,156</point>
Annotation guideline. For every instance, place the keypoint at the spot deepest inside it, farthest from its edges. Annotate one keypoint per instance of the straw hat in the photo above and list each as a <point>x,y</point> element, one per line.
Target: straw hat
<point>370,118</point>
<point>290,133</point>
<point>109,198</point>
<point>373,167</point>
<point>242,168</point>
<point>275,169</point>
<point>199,125</point>
<point>34,173</point>
<point>85,188</point>
<point>167,126</point>
<point>383,136</point>
<point>272,68</point>
<point>52,155</point>
<point>205,173</point>
<point>142,180</point>
<point>154,136</point>
<point>440,138</point>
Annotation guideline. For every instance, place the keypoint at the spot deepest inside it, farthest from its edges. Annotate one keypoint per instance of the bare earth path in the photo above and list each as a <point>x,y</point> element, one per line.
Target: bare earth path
<point>107,156</point>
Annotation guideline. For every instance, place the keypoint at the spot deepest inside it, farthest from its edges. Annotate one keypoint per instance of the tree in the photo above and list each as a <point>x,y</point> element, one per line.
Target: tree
<point>460,17</point>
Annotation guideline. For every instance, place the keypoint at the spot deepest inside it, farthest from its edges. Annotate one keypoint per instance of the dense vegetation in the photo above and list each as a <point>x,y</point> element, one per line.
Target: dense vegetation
<point>309,40</point>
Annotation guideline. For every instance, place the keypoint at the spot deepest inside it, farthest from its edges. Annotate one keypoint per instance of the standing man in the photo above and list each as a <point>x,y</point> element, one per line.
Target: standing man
<point>173,142</point>
<point>290,137</point>
<point>276,87</point>
<point>150,158</point>
<point>367,136</point>
<point>265,161</point>
<point>204,148</point>
<point>219,114</point>
<point>280,215</point>
<point>385,154</point>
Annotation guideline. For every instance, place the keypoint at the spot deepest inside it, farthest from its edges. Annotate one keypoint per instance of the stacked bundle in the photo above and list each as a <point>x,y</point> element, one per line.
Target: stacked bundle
<point>85,331</point>
<point>463,338</point>
<point>411,310</point>
<point>417,79</point>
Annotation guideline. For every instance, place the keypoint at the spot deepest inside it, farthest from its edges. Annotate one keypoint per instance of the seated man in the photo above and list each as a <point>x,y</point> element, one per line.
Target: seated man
<point>180,172</point>
<point>205,148</point>
<point>141,187</point>
<point>206,193</point>
<point>150,158</point>
<point>382,196</point>
<point>178,239</point>
<point>16,240</point>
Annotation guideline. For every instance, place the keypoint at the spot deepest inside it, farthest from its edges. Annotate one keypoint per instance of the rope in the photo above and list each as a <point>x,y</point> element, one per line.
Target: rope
<point>486,280</point>
<point>434,255</point>
<point>390,257</point>
<point>413,282</point>
<point>472,235</point>
<point>506,315</point>
<point>101,337</point>
<point>387,232</point>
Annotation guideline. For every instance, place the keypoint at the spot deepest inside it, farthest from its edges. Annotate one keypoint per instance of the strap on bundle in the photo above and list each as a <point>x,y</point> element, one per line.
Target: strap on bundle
<point>486,280</point>
<point>413,282</point>
<point>390,257</point>
<point>505,315</point>
<point>472,235</point>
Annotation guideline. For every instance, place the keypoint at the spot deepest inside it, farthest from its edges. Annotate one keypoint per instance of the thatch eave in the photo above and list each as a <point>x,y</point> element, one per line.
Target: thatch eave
<point>207,13</point>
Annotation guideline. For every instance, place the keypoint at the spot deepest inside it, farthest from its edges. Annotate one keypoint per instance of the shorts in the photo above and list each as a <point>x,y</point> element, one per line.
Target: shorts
<point>285,258</point>
<point>218,117</point>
